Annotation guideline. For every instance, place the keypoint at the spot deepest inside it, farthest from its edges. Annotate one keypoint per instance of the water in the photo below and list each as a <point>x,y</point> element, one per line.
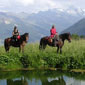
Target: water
<point>39,77</point>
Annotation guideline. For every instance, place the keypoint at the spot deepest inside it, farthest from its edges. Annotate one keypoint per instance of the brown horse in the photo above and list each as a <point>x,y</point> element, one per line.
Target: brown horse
<point>59,44</point>
<point>20,43</point>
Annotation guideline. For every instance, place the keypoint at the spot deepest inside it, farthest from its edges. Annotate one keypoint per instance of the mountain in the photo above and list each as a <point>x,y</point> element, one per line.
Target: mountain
<point>61,19</point>
<point>77,28</point>
<point>37,24</point>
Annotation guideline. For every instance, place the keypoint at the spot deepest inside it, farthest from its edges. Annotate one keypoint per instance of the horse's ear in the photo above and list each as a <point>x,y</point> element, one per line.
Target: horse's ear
<point>26,33</point>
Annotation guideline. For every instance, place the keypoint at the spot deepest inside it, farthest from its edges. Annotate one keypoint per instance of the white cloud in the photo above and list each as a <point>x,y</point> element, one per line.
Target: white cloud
<point>38,5</point>
<point>25,2</point>
<point>4,2</point>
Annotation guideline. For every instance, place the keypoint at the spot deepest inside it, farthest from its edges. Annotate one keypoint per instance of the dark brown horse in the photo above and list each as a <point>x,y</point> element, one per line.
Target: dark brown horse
<point>59,44</point>
<point>20,43</point>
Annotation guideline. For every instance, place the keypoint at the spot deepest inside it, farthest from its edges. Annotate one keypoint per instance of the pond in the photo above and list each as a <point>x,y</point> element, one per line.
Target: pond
<point>41,77</point>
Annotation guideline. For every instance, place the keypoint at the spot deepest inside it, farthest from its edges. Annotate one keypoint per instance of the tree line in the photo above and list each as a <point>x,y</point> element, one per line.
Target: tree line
<point>76,36</point>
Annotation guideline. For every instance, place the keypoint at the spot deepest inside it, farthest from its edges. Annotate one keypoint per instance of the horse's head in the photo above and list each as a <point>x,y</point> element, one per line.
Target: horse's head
<point>69,37</point>
<point>26,36</point>
<point>65,36</point>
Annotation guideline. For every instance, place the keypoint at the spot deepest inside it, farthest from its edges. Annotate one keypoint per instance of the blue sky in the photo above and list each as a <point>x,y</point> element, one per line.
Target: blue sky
<point>38,5</point>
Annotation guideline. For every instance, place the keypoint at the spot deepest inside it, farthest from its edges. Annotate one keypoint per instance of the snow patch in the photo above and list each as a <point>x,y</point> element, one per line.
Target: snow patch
<point>7,22</point>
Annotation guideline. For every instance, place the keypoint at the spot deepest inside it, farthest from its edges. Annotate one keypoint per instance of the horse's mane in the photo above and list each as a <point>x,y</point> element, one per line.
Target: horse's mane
<point>64,34</point>
<point>23,37</point>
<point>68,33</point>
<point>25,34</point>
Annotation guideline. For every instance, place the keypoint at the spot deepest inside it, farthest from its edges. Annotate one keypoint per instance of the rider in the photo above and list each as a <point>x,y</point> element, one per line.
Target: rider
<point>15,34</point>
<point>53,34</point>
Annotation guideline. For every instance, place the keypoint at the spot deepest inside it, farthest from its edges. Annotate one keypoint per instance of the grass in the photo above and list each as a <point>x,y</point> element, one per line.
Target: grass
<point>73,57</point>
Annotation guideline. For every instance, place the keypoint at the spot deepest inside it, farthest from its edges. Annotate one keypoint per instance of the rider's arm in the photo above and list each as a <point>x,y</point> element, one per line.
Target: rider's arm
<point>51,32</point>
<point>12,33</point>
<point>18,33</point>
<point>56,33</point>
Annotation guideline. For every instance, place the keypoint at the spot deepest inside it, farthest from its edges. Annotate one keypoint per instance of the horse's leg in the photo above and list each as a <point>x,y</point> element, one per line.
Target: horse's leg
<point>40,47</point>
<point>57,49</point>
<point>23,49</point>
<point>41,44</point>
<point>61,50</point>
<point>19,49</point>
<point>7,49</point>
<point>23,45</point>
<point>44,46</point>
<point>6,46</point>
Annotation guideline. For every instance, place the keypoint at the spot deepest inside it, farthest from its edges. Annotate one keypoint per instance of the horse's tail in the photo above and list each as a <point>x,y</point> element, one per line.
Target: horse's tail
<point>6,46</point>
<point>41,44</point>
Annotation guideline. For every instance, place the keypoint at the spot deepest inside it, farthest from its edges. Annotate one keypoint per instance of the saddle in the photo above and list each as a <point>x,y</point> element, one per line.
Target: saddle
<point>49,39</point>
<point>53,40</point>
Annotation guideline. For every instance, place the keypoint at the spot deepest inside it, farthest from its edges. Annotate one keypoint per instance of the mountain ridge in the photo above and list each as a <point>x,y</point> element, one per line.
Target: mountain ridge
<point>77,28</point>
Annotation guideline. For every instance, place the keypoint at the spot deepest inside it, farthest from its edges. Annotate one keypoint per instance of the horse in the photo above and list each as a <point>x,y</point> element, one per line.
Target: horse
<point>59,43</point>
<point>20,43</point>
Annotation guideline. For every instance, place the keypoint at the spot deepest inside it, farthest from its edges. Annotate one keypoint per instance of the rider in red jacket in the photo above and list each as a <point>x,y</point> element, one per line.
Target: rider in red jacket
<point>53,33</point>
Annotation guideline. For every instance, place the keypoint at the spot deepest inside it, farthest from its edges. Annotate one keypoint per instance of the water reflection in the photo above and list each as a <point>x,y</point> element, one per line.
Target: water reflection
<point>55,81</point>
<point>22,81</point>
<point>41,78</point>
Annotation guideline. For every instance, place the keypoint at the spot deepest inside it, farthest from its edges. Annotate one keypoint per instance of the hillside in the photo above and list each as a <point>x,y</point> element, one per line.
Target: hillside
<point>77,28</point>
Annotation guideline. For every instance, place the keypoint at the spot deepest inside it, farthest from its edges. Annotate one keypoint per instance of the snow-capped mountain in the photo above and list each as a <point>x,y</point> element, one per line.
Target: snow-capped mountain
<point>71,10</point>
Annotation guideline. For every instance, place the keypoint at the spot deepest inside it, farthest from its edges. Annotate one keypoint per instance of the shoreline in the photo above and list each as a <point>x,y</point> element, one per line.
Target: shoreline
<point>52,69</point>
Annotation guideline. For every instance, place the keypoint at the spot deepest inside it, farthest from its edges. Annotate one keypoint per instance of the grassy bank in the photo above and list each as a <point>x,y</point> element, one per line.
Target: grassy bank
<point>73,57</point>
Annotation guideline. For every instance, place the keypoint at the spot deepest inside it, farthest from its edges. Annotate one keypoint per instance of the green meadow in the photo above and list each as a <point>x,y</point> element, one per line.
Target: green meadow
<point>72,57</point>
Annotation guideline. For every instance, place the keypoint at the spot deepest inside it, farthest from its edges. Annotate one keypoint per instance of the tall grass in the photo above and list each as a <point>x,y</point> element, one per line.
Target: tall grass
<point>73,56</point>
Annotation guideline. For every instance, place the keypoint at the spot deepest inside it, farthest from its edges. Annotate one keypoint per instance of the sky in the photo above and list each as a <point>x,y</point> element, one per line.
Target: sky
<point>32,6</point>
